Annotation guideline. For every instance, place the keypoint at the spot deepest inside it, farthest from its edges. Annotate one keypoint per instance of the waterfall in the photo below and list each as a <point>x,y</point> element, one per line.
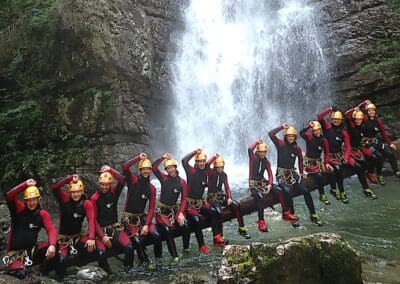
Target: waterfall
<point>244,67</point>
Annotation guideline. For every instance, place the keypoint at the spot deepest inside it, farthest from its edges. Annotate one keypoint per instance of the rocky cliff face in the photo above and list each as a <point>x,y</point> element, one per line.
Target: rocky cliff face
<point>361,38</point>
<point>106,74</point>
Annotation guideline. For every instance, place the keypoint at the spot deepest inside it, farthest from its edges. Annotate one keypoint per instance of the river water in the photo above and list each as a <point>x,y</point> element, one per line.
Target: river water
<point>372,227</point>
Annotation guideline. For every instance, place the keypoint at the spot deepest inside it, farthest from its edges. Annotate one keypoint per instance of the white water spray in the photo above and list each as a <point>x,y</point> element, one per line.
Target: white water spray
<point>244,67</point>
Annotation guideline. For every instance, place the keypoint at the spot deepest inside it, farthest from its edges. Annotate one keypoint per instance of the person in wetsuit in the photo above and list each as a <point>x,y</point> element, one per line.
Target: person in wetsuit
<point>286,174</point>
<point>105,206</point>
<point>339,149</point>
<point>138,224</point>
<point>380,146</point>
<point>314,165</point>
<point>260,187</point>
<point>27,219</point>
<point>197,178</point>
<point>360,155</point>
<point>74,208</point>
<point>168,211</point>
<point>217,199</point>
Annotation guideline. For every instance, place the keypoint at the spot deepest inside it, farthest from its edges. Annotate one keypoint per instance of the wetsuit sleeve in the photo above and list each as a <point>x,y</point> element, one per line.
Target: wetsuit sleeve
<point>184,196</point>
<point>272,134</point>
<point>126,169</point>
<point>90,218</point>
<point>385,136</point>
<point>349,115</point>
<point>185,163</point>
<point>15,205</point>
<point>305,134</point>
<point>251,148</point>
<point>346,144</point>
<point>152,205</point>
<point>98,228</point>
<point>161,177</point>
<point>49,227</point>
<point>121,181</point>
<point>321,118</point>
<point>60,194</point>
<point>300,159</point>
<point>227,188</point>
<point>208,164</point>
<point>326,150</point>
<point>269,171</point>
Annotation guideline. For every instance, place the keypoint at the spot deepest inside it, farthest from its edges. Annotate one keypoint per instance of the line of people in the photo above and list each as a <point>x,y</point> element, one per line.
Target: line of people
<point>181,206</point>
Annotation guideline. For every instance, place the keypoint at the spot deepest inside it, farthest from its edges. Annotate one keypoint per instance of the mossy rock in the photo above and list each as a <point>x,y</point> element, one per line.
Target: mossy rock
<point>319,258</point>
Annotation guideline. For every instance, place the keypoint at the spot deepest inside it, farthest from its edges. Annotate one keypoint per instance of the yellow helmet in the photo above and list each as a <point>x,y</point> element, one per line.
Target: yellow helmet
<point>31,192</point>
<point>105,177</point>
<point>370,106</point>
<point>262,147</point>
<point>201,156</point>
<point>144,163</point>
<point>337,115</point>
<point>358,115</point>
<point>170,162</point>
<point>75,186</point>
<point>219,162</point>
<point>290,131</point>
<point>316,125</point>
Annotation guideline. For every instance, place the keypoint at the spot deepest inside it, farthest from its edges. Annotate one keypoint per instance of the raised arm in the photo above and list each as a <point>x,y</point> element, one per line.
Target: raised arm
<point>185,162</point>
<point>321,118</point>
<point>306,134</point>
<point>161,176</point>
<point>272,134</point>
<point>251,148</point>
<point>121,181</point>
<point>60,194</point>
<point>15,205</point>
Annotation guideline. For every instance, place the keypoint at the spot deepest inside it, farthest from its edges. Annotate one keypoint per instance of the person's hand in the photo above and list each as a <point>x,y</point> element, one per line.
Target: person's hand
<point>167,156</point>
<point>367,102</point>
<point>329,168</point>
<point>268,189</point>
<point>198,151</point>
<point>229,201</point>
<point>333,108</point>
<point>143,156</point>
<point>30,182</point>
<point>51,252</point>
<point>105,168</point>
<point>285,126</point>
<point>181,219</point>
<point>90,245</point>
<point>393,147</point>
<point>311,124</point>
<point>259,141</point>
<point>75,177</point>
<point>356,109</point>
<point>145,230</point>
<point>106,241</point>
<point>303,175</point>
<point>216,155</point>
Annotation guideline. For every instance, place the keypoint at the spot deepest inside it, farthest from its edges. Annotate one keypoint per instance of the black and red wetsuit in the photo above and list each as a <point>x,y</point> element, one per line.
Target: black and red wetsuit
<point>286,174</point>
<point>72,215</point>
<point>313,162</point>
<point>358,153</point>
<point>105,206</point>
<point>197,182</point>
<point>140,192</point>
<point>339,148</point>
<point>371,130</point>
<point>168,209</point>
<point>217,199</point>
<point>23,235</point>
<point>258,183</point>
